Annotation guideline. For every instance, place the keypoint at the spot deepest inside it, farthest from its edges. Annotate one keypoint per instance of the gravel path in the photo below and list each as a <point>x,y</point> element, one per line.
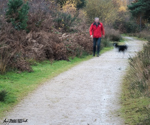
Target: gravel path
<point>87,94</point>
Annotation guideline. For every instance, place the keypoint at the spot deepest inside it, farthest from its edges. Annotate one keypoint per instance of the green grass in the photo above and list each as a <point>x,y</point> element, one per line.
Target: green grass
<point>19,85</point>
<point>122,40</point>
<point>123,34</point>
<point>134,109</point>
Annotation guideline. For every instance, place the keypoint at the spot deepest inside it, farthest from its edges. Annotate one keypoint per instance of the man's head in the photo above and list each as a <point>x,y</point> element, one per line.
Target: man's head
<point>96,19</point>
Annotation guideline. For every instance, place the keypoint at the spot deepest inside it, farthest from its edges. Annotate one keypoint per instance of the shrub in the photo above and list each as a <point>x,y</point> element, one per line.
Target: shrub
<point>69,8</point>
<point>106,43</point>
<point>12,49</point>
<point>81,4</point>
<point>126,26</point>
<point>73,49</point>
<point>78,44</point>
<point>39,21</point>
<point>3,95</point>
<point>64,21</point>
<point>17,14</point>
<point>112,34</point>
<point>144,34</point>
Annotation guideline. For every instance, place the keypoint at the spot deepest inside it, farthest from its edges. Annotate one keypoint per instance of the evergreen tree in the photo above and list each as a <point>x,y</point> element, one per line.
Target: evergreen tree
<point>17,14</point>
<point>140,8</point>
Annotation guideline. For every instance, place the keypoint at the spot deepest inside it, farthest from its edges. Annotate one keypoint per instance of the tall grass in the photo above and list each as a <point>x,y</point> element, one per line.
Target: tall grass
<point>136,89</point>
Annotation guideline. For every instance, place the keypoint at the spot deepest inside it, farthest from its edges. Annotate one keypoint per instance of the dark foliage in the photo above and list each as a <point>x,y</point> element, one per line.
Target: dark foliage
<point>3,95</point>
<point>17,14</point>
<point>79,4</point>
<point>126,26</point>
<point>64,21</point>
<point>140,8</point>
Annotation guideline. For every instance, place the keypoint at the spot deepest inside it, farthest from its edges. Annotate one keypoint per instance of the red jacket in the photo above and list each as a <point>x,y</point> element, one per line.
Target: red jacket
<point>97,31</point>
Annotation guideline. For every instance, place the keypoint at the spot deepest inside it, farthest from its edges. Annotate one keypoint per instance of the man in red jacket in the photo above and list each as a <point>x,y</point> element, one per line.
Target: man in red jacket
<point>96,32</point>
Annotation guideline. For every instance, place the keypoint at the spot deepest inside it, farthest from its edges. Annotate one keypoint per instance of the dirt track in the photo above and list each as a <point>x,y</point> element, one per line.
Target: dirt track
<point>87,94</point>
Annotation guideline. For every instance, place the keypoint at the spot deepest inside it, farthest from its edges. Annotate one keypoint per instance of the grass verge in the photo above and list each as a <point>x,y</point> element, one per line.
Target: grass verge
<point>136,90</point>
<point>135,110</point>
<point>19,85</point>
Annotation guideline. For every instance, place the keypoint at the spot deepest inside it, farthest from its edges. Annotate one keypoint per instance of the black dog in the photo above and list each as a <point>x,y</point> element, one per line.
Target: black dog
<point>121,48</point>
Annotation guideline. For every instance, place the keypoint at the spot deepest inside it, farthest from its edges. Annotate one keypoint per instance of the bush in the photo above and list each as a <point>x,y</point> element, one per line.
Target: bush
<point>64,21</point>
<point>11,49</point>
<point>112,34</point>
<point>77,44</point>
<point>3,95</point>
<point>144,34</point>
<point>106,43</point>
<point>17,14</point>
<point>126,26</point>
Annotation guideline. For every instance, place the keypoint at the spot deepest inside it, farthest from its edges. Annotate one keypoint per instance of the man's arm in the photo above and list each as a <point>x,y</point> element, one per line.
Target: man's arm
<point>103,30</point>
<point>91,30</point>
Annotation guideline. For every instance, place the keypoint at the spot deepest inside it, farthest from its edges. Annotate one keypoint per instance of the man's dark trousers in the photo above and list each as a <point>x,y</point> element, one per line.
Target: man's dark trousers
<point>96,41</point>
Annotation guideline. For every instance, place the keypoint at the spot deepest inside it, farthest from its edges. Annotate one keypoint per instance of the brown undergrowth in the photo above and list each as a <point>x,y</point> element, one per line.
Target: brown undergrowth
<point>43,39</point>
<point>43,42</point>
